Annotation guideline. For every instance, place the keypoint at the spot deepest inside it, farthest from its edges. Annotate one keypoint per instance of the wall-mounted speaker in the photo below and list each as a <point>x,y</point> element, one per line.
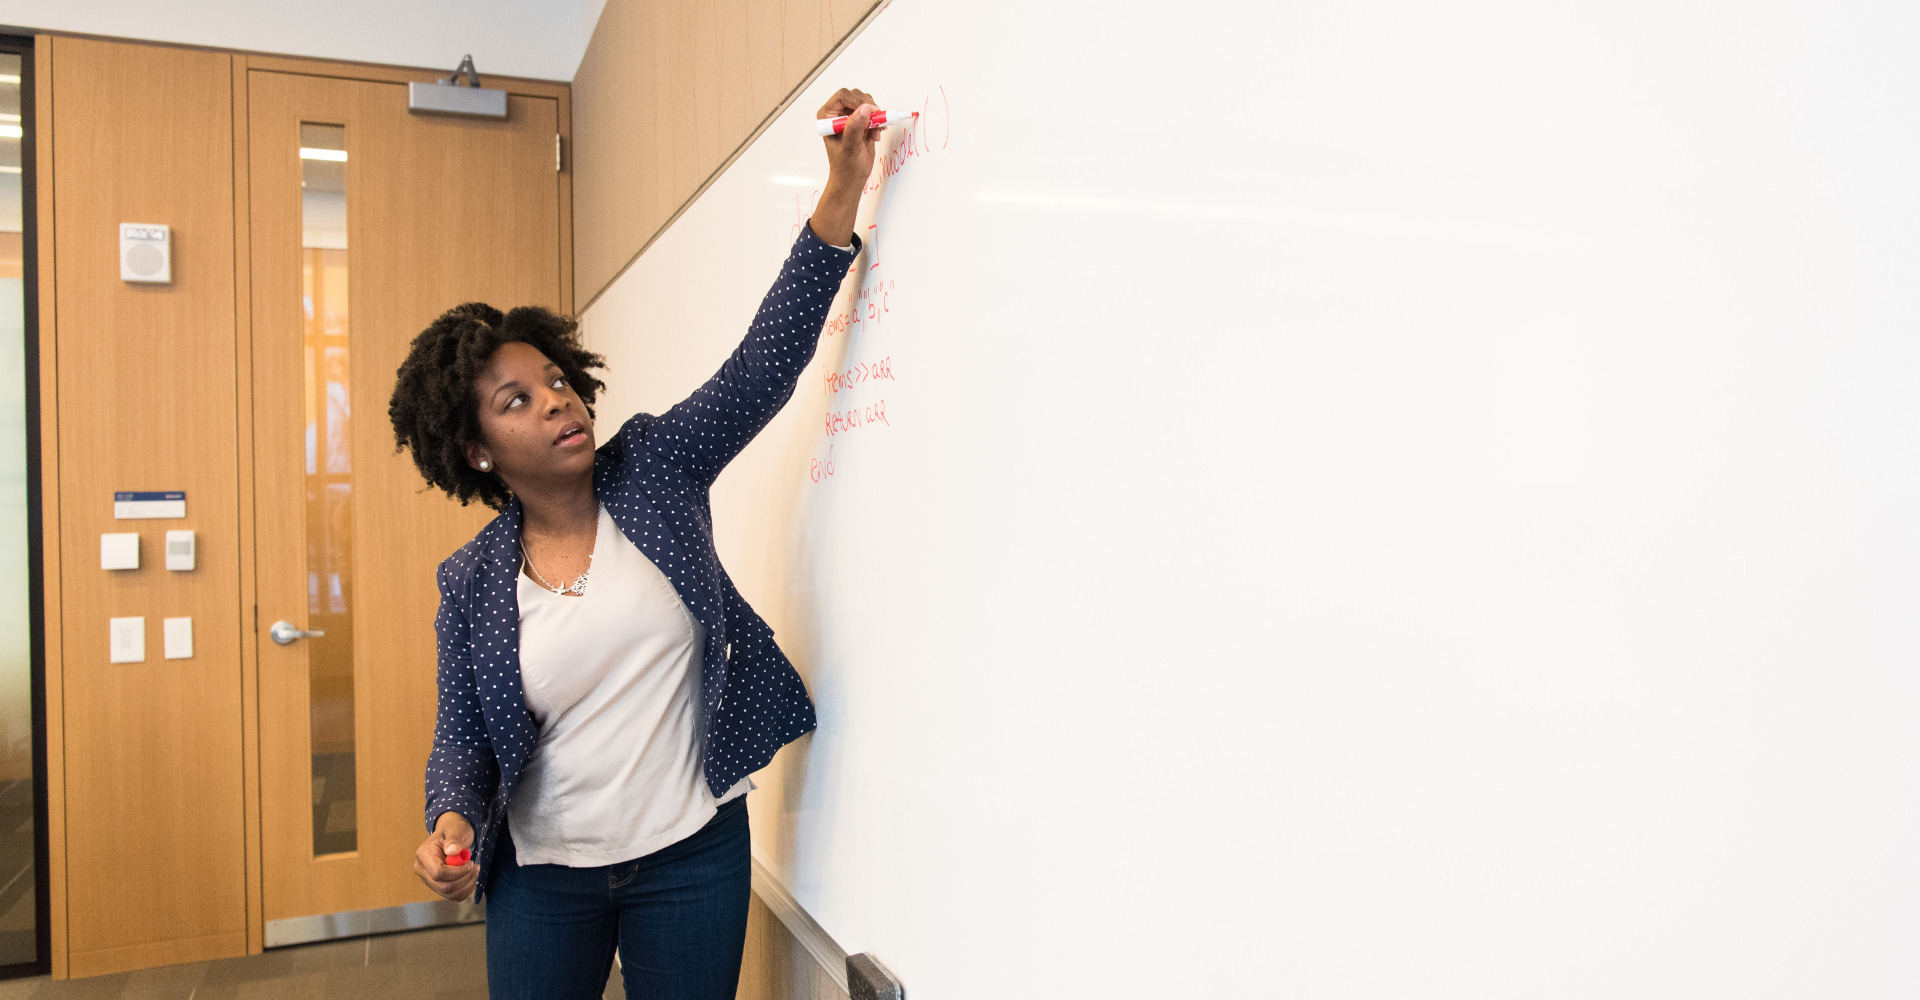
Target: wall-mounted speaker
<point>146,253</point>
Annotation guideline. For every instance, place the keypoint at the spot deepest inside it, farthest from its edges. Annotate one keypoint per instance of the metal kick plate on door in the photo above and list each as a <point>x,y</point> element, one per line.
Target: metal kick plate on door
<point>383,920</point>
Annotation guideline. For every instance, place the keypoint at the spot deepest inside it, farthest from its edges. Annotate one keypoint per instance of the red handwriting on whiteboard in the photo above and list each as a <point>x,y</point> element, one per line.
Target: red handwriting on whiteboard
<point>874,302</point>
<point>845,421</point>
<point>862,372</point>
<point>946,114</point>
<point>838,323</point>
<point>820,470</point>
<point>915,142</point>
<point>871,304</point>
<point>873,293</point>
<point>801,212</point>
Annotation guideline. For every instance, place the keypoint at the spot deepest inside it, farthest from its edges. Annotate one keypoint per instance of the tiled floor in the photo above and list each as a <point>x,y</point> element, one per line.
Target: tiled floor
<point>444,964</point>
<point>16,872</point>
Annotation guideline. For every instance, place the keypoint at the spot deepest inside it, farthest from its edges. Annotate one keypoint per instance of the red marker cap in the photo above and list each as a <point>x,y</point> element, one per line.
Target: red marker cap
<point>459,858</point>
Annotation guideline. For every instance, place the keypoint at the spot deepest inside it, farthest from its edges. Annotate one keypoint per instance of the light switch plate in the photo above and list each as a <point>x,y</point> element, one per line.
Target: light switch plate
<point>176,636</point>
<point>120,550</point>
<point>180,550</point>
<point>126,640</point>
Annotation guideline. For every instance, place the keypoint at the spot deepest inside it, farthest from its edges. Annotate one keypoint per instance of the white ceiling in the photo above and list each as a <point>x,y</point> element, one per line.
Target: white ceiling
<point>511,37</point>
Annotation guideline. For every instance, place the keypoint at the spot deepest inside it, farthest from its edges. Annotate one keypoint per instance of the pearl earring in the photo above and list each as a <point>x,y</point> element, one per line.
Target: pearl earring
<point>485,465</point>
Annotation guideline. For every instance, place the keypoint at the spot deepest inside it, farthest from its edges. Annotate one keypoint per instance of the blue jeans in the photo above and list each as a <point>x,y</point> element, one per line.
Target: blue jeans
<point>678,916</point>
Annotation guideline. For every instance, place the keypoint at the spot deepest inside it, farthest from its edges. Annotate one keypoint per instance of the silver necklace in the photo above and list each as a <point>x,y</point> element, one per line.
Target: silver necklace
<point>576,588</point>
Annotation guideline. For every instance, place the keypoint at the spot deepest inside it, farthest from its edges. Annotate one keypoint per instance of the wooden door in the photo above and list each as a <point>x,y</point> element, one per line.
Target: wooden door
<point>437,211</point>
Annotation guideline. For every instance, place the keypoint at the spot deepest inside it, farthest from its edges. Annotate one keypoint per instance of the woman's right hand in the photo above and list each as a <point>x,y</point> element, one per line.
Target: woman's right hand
<point>451,835</point>
<point>849,163</point>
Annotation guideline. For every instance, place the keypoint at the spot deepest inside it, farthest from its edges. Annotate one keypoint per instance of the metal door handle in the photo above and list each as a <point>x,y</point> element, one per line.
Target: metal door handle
<point>283,632</point>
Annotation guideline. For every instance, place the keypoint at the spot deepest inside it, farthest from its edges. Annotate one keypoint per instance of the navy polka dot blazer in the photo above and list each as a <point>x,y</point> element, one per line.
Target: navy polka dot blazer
<point>653,477</point>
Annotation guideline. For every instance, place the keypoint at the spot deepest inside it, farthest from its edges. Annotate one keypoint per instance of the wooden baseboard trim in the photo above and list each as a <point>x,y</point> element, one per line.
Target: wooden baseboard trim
<point>800,924</point>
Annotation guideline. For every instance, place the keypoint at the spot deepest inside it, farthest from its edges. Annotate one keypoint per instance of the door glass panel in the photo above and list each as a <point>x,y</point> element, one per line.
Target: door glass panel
<point>18,883</point>
<point>329,477</point>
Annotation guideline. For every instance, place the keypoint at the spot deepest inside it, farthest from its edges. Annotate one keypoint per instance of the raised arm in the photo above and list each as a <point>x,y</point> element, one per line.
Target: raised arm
<point>706,430</point>
<point>703,432</point>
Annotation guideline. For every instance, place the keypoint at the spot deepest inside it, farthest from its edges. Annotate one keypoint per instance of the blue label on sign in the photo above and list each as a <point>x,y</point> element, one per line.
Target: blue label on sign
<point>126,497</point>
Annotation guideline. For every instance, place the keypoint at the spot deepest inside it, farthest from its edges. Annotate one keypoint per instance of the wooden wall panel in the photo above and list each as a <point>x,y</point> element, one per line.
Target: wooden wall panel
<point>776,967</point>
<point>146,384</point>
<point>666,93</point>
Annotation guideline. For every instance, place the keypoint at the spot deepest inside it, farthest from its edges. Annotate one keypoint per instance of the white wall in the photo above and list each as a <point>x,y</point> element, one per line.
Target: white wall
<point>542,40</point>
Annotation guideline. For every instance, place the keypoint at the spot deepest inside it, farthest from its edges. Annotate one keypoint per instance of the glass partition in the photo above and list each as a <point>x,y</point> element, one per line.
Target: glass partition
<point>21,907</point>
<point>329,457</point>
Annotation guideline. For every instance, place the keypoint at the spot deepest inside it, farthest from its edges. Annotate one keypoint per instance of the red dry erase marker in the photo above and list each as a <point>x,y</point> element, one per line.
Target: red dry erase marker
<point>880,119</point>
<point>459,858</point>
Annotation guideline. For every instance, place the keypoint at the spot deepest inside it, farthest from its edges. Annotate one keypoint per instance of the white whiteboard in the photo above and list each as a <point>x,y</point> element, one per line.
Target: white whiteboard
<point>1376,500</point>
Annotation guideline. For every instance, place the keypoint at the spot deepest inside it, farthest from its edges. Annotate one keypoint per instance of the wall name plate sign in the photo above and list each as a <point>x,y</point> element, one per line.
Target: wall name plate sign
<point>154,504</point>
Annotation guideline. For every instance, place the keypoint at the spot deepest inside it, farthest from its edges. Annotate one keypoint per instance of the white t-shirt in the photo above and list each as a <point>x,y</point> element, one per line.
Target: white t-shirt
<point>612,678</point>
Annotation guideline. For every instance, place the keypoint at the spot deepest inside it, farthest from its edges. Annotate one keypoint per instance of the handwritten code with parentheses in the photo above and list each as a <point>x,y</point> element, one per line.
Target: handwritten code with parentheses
<point>871,302</point>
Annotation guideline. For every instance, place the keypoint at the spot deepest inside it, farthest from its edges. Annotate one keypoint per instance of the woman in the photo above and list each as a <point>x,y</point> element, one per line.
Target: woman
<point>596,728</point>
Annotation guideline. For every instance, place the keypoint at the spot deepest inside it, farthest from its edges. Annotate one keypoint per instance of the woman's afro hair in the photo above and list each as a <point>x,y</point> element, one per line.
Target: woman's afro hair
<point>436,408</point>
